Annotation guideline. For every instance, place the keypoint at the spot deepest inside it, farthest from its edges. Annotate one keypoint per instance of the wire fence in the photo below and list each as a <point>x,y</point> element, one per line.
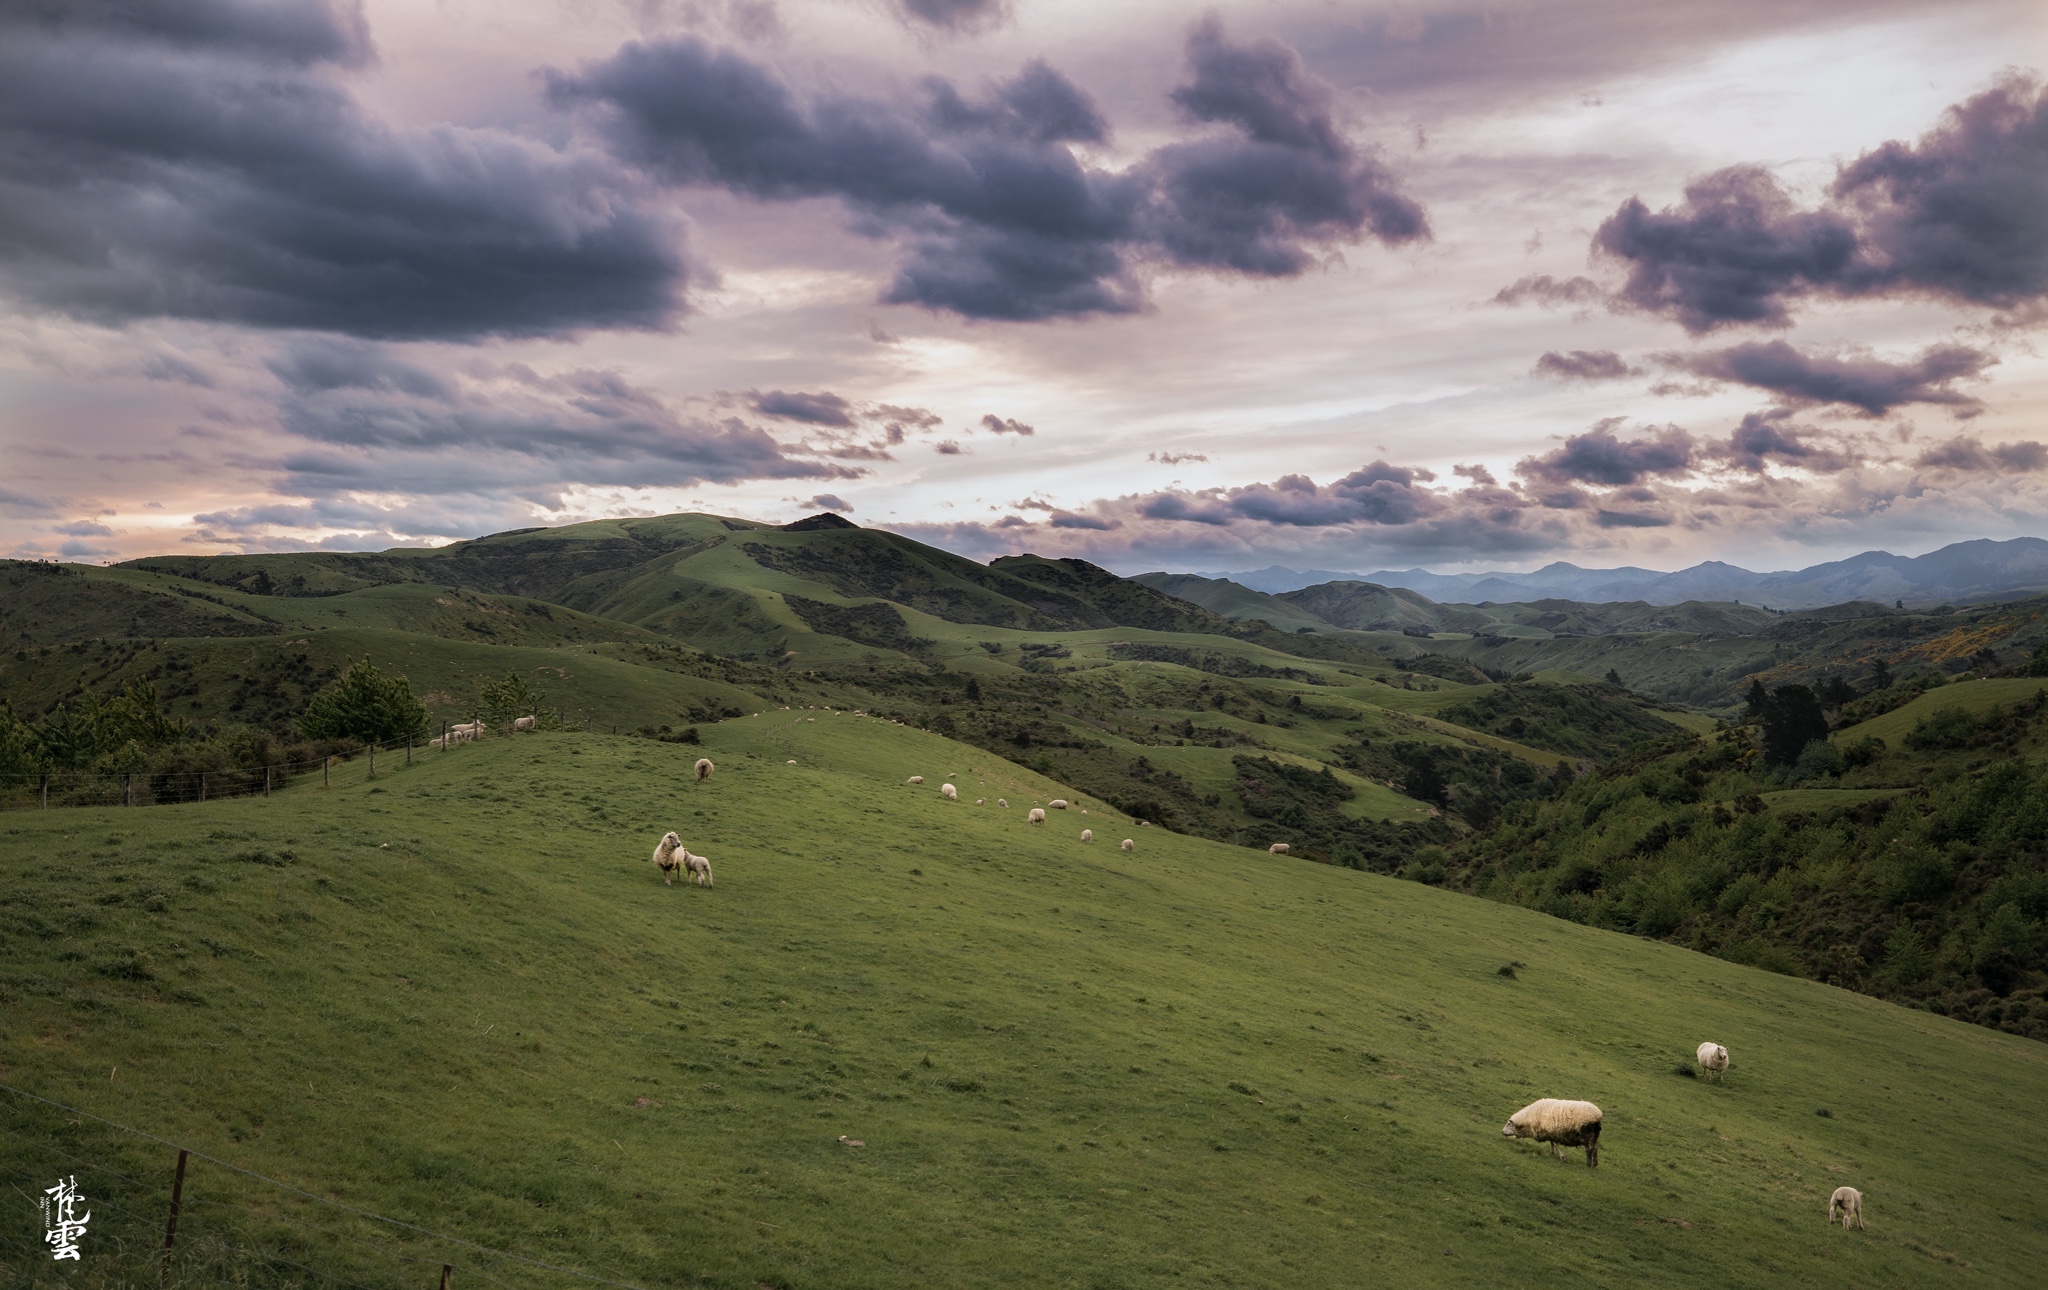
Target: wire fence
<point>61,788</point>
<point>169,1215</point>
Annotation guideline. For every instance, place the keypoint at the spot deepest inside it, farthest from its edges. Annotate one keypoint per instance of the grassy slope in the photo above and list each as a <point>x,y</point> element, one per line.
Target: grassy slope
<point>1971,696</point>
<point>1045,1045</point>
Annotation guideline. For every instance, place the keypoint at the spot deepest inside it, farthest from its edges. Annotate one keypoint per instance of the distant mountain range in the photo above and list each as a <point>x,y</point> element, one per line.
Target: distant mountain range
<point>1976,570</point>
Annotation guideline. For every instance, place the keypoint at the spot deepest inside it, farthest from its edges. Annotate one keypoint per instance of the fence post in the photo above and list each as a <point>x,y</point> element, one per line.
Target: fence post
<point>43,791</point>
<point>326,771</point>
<point>202,785</point>
<point>373,761</point>
<point>127,790</point>
<point>408,748</point>
<point>171,1223</point>
<point>447,1271</point>
<point>444,736</point>
<point>266,779</point>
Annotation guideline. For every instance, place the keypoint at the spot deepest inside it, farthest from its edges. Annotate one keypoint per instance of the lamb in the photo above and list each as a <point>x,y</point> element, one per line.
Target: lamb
<point>524,723</point>
<point>1277,849</point>
<point>1003,802</point>
<point>1561,1123</point>
<point>1087,835</point>
<point>979,801</point>
<point>915,779</point>
<point>1037,816</point>
<point>668,854</point>
<point>1713,1058</point>
<point>699,867</point>
<point>704,769</point>
<point>1848,1203</point>
<point>1058,804</point>
<point>949,792</point>
<point>1127,845</point>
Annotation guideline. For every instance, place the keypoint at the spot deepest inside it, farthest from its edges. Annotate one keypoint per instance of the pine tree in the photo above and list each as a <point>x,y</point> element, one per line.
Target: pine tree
<point>367,705</point>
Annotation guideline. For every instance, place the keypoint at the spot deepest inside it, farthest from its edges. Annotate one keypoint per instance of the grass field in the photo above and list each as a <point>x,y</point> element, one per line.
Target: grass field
<point>461,996</point>
<point>1971,696</point>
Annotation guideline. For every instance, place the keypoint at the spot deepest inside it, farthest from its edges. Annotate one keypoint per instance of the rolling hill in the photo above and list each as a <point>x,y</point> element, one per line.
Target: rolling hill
<point>458,996</point>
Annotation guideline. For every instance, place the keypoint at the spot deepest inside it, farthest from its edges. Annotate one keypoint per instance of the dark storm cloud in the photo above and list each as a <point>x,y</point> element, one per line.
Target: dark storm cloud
<point>1970,454</point>
<point>206,161</point>
<point>1598,457</point>
<point>1871,384</point>
<point>1770,436</point>
<point>994,214</point>
<point>1585,365</point>
<point>1962,216</point>
<point>315,365</point>
<point>821,409</point>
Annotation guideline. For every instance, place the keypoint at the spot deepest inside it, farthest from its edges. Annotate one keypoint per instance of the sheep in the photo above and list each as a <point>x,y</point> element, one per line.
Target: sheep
<point>1037,816</point>
<point>666,856</point>
<point>1277,849</point>
<point>980,801</point>
<point>1058,804</point>
<point>468,730</point>
<point>1561,1123</point>
<point>525,723</point>
<point>1848,1203</point>
<point>949,792</point>
<point>1713,1058</point>
<point>1087,835</point>
<point>1127,845</point>
<point>704,769</point>
<point>915,779</point>
<point>699,867</point>
<point>1003,802</point>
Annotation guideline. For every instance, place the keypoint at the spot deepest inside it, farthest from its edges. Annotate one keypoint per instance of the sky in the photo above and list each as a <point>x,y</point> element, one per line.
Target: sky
<point>1458,285</point>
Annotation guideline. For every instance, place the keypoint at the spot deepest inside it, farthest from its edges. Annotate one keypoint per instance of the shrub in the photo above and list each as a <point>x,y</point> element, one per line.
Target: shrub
<point>367,705</point>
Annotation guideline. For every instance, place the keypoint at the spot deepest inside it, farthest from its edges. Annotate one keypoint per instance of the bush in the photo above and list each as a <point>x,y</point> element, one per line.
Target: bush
<point>367,705</point>
<point>1819,758</point>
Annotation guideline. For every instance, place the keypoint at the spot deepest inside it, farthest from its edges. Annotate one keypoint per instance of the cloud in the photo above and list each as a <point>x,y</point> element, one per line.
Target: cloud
<point>13,503</point>
<point>993,214</point>
<point>1175,458</point>
<point>1070,520</point>
<point>1962,216</point>
<point>1584,365</point>
<point>1867,383</point>
<point>82,528</point>
<point>1765,437</point>
<point>960,16</point>
<point>207,161</point>
<point>1477,474</point>
<point>948,448</point>
<point>830,502</point>
<point>1598,457</point>
<point>822,409</point>
<point>999,425</point>
<point>1969,454</point>
<point>1546,290</point>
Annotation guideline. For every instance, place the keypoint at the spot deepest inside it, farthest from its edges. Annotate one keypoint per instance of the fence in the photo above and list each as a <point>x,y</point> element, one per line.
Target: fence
<point>175,1217</point>
<point>44,790</point>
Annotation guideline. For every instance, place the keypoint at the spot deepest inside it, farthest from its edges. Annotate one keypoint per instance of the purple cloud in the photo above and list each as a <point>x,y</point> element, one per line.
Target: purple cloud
<point>1969,454</point>
<point>1584,365</point>
<point>821,409</point>
<point>1870,384</point>
<point>1002,425</point>
<point>1598,457</point>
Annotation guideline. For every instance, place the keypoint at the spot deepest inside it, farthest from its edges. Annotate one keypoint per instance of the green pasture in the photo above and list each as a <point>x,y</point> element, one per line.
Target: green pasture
<point>1971,696</point>
<point>461,996</point>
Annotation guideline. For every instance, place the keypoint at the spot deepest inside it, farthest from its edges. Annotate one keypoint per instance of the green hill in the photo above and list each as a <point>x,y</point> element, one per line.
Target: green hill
<point>460,996</point>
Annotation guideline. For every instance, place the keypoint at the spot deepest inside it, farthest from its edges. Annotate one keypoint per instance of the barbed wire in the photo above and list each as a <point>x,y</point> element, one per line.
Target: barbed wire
<point>323,1200</point>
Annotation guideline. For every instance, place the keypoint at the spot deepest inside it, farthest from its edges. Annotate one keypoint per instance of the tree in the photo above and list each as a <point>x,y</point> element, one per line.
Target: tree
<point>1836,691</point>
<point>367,705</point>
<point>500,701</point>
<point>1613,677</point>
<point>1792,719</point>
<point>1757,699</point>
<point>1880,675</point>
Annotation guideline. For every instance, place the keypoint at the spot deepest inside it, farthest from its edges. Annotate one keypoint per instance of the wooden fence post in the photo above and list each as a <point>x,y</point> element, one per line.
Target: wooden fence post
<point>171,1223</point>
<point>373,761</point>
<point>43,791</point>
<point>127,790</point>
<point>202,785</point>
<point>447,1271</point>
<point>408,748</point>
<point>327,771</point>
<point>266,779</point>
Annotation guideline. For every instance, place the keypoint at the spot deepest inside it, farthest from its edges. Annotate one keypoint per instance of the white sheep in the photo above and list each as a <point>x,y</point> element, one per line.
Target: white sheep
<point>1713,1058</point>
<point>525,723</point>
<point>1003,802</point>
<point>1127,845</point>
<point>1561,1123</point>
<point>1087,835</point>
<point>790,762</point>
<point>468,730</point>
<point>1277,849</point>
<point>1058,804</point>
<point>699,867</point>
<point>1848,1203</point>
<point>979,801</point>
<point>666,857</point>
<point>949,792</point>
<point>915,779</point>
<point>1037,816</point>
<point>704,769</point>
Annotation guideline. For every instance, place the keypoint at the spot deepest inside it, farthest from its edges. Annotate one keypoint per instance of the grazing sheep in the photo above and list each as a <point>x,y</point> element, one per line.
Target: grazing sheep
<point>1036,817</point>
<point>467,730</point>
<point>524,723</point>
<point>1087,835</point>
<point>790,762</point>
<point>704,769</point>
<point>1713,1059</point>
<point>1144,824</point>
<point>668,855</point>
<point>1277,849</point>
<point>699,867</point>
<point>1127,845</point>
<point>915,779</point>
<point>949,792</point>
<point>1058,804</point>
<point>1561,1123</point>
<point>1003,802</point>
<point>1848,1203</point>
<point>980,800</point>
